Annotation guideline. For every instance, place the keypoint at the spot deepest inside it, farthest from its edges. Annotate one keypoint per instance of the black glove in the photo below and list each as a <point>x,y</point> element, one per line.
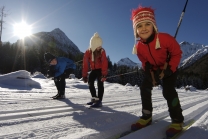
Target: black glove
<point>166,73</point>
<point>157,76</point>
<point>51,72</point>
<point>148,71</point>
<point>48,75</point>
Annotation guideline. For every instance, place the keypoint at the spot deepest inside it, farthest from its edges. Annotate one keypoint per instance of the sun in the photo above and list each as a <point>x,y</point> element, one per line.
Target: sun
<point>22,29</point>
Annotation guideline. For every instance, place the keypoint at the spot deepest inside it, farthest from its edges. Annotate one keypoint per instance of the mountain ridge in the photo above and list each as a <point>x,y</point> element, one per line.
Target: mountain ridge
<point>55,38</point>
<point>128,62</point>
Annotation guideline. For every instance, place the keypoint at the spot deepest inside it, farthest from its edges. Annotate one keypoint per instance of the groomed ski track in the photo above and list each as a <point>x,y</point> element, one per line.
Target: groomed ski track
<point>70,115</point>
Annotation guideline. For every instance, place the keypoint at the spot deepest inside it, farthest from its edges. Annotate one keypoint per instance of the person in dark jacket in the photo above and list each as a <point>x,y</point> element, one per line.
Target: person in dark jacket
<point>95,60</point>
<point>160,55</point>
<point>60,68</point>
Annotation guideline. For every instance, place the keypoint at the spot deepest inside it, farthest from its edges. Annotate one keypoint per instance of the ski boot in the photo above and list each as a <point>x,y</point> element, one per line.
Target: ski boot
<point>144,121</point>
<point>174,129</point>
<point>55,95</point>
<point>61,95</point>
<point>92,101</point>
<point>97,103</point>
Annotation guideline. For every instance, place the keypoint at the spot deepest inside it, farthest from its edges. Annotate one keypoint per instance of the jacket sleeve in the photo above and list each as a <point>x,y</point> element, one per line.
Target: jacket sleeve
<point>175,53</point>
<point>85,64</point>
<point>104,63</point>
<point>61,68</point>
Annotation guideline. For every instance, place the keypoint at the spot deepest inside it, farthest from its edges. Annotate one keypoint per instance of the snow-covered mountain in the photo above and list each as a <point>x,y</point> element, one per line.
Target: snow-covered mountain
<point>127,62</point>
<point>55,38</point>
<point>191,53</point>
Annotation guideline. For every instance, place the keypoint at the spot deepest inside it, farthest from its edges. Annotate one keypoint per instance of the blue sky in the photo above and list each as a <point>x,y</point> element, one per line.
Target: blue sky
<point>80,19</point>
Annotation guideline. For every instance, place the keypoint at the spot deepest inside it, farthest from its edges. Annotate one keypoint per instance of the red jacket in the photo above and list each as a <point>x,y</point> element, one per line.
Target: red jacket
<point>99,63</point>
<point>157,57</point>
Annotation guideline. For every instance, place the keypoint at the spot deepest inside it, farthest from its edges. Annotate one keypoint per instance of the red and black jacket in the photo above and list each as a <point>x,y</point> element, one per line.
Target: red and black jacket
<point>157,57</point>
<point>99,63</point>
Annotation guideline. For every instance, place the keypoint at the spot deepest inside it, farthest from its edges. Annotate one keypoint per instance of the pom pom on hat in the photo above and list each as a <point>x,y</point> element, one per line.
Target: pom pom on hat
<point>143,14</point>
<point>95,42</point>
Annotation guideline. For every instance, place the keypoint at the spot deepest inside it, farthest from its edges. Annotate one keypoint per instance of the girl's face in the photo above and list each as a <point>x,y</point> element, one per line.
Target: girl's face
<point>53,62</point>
<point>145,30</point>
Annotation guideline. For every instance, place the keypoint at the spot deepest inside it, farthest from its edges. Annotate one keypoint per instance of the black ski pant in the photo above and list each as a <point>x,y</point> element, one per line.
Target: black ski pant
<point>169,93</point>
<point>96,74</point>
<point>60,85</point>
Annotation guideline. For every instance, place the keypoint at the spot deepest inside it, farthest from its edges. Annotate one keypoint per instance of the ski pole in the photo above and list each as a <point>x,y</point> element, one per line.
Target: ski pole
<point>168,55</point>
<point>120,74</point>
<point>179,23</point>
<point>78,61</point>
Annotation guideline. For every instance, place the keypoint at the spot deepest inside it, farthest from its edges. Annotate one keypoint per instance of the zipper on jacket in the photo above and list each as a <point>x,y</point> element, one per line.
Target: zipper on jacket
<point>151,55</point>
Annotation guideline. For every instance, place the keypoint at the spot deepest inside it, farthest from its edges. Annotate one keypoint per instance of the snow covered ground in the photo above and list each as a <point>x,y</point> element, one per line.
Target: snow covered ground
<point>27,111</point>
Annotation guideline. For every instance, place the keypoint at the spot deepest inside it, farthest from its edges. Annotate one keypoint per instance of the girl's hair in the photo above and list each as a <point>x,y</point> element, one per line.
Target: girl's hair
<point>97,54</point>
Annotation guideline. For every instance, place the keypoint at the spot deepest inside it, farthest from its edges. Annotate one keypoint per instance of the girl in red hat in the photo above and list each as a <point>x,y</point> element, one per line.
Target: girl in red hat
<point>160,55</point>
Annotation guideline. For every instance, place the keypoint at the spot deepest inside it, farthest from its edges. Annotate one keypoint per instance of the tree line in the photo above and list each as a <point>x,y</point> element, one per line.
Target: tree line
<point>16,56</point>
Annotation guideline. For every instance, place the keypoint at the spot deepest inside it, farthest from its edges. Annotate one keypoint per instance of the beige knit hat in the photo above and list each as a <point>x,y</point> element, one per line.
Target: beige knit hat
<point>143,14</point>
<point>95,42</point>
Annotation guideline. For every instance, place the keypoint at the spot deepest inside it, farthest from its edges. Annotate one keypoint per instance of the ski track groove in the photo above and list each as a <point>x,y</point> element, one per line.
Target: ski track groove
<point>52,110</point>
<point>161,116</point>
<point>58,109</point>
<point>158,132</point>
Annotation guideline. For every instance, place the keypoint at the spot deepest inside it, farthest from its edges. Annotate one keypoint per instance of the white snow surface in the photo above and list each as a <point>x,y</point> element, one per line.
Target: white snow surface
<point>27,111</point>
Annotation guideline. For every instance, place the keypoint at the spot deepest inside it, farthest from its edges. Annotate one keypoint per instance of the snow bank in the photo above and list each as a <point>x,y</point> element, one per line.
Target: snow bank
<point>72,76</point>
<point>19,79</point>
<point>128,84</point>
<point>190,88</point>
<point>38,75</point>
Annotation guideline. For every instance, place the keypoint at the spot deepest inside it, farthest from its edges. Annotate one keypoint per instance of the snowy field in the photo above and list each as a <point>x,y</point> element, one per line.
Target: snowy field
<point>27,111</point>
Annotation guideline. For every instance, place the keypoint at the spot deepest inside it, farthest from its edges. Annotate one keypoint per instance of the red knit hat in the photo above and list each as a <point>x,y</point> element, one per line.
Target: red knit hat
<point>143,14</point>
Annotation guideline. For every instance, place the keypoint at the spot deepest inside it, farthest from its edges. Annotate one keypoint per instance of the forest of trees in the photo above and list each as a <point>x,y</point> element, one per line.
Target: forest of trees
<point>14,57</point>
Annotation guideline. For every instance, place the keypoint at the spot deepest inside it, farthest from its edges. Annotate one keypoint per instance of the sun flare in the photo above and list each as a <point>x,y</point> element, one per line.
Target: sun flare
<point>22,29</point>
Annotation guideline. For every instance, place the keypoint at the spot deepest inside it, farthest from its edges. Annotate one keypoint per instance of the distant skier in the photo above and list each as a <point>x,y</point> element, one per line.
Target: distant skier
<point>60,68</point>
<point>152,49</point>
<point>95,60</point>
